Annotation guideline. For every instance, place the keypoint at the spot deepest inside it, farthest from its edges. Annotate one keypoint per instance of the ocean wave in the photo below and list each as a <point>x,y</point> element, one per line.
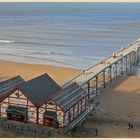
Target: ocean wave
<point>46,44</point>
<point>50,53</point>
<point>40,52</point>
<point>6,41</point>
<point>35,57</point>
<point>94,58</point>
<point>37,43</point>
<point>43,53</point>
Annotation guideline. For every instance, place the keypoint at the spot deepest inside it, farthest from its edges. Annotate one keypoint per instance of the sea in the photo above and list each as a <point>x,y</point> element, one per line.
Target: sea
<point>77,35</point>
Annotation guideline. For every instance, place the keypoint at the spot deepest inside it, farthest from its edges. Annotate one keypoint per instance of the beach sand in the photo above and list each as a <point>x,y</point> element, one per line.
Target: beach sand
<point>119,104</point>
<point>122,99</point>
<point>28,71</point>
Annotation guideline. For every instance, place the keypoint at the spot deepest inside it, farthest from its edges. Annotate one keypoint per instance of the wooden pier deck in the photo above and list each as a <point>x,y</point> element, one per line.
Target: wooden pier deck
<point>105,71</point>
<point>83,77</point>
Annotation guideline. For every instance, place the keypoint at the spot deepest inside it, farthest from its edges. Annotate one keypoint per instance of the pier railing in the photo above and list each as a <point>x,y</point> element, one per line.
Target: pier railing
<point>77,75</point>
<point>101,74</point>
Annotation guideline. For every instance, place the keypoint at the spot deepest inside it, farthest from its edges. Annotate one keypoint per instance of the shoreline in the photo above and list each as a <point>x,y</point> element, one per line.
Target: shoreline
<point>10,69</point>
<point>34,60</point>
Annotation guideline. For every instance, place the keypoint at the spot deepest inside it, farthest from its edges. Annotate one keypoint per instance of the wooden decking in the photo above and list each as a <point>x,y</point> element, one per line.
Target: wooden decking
<point>103,72</point>
<point>83,77</point>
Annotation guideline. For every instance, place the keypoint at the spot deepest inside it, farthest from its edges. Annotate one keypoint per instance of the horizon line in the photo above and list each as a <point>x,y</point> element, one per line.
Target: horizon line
<point>74,1</point>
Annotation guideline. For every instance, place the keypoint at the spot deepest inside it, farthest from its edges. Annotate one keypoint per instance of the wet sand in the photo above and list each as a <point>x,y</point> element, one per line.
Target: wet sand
<point>28,71</point>
<point>119,104</point>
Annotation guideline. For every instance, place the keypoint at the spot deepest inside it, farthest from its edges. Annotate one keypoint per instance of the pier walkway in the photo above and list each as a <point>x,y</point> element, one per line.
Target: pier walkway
<point>124,57</point>
<point>104,72</point>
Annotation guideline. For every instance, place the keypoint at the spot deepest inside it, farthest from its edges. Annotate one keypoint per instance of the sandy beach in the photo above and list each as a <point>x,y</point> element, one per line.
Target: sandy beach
<point>28,71</point>
<point>118,104</point>
<point>121,99</point>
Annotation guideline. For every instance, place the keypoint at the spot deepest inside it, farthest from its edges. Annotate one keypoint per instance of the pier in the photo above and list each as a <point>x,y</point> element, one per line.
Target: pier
<point>72,101</point>
<point>99,75</point>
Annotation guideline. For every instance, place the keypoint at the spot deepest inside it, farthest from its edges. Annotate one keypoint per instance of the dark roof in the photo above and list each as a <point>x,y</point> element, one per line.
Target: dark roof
<point>8,85</point>
<point>39,89</point>
<point>69,96</point>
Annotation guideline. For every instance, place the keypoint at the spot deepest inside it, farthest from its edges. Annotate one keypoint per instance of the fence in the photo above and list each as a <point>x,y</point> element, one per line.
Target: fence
<point>26,129</point>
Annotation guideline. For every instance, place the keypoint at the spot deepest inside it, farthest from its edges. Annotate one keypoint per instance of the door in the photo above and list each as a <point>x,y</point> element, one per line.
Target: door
<point>49,121</point>
<point>14,117</point>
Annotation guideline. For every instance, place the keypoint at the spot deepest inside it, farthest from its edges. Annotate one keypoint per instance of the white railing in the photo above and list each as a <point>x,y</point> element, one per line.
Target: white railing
<point>73,78</point>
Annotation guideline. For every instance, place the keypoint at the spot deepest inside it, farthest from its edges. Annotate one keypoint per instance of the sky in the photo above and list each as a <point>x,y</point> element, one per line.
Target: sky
<point>69,0</point>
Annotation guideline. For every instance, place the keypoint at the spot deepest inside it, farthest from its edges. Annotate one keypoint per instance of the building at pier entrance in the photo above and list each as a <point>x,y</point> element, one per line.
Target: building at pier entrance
<point>23,102</point>
<point>41,100</point>
<point>66,106</point>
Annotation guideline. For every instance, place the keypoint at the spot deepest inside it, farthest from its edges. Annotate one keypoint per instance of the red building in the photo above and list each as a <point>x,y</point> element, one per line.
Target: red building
<point>65,106</point>
<point>23,102</point>
<point>41,100</point>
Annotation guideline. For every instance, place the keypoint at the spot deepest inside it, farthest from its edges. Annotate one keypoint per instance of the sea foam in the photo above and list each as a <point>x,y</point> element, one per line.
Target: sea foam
<point>6,41</point>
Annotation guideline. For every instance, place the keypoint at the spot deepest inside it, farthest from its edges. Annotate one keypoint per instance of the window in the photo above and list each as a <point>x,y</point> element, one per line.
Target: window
<point>50,103</point>
<point>17,94</point>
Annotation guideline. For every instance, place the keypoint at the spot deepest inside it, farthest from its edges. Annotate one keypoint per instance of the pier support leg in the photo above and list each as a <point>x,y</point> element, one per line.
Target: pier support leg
<point>126,65</point>
<point>104,79</point>
<point>130,61</point>
<point>121,67</point>
<point>133,58</point>
<point>136,58</point>
<point>116,70</point>
<point>88,84</point>
<point>110,74</point>
<point>96,84</point>
<point>138,55</point>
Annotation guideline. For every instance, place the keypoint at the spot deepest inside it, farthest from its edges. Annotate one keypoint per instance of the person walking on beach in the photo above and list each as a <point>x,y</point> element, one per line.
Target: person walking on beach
<point>96,132</point>
<point>129,125</point>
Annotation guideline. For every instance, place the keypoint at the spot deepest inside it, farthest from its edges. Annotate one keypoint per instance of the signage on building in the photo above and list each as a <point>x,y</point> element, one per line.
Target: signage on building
<point>18,101</point>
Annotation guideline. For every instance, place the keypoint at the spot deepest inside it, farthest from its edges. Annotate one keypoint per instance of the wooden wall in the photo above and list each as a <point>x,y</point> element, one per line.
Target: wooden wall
<point>17,98</point>
<point>51,106</point>
<point>75,111</point>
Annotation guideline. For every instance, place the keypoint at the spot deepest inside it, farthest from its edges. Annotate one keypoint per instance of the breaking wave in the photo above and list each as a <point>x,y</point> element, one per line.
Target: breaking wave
<point>35,57</point>
<point>6,41</point>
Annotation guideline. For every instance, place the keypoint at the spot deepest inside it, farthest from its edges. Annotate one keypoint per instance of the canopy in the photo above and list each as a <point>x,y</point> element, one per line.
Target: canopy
<point>49,114</point>
<point>16,110</point>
